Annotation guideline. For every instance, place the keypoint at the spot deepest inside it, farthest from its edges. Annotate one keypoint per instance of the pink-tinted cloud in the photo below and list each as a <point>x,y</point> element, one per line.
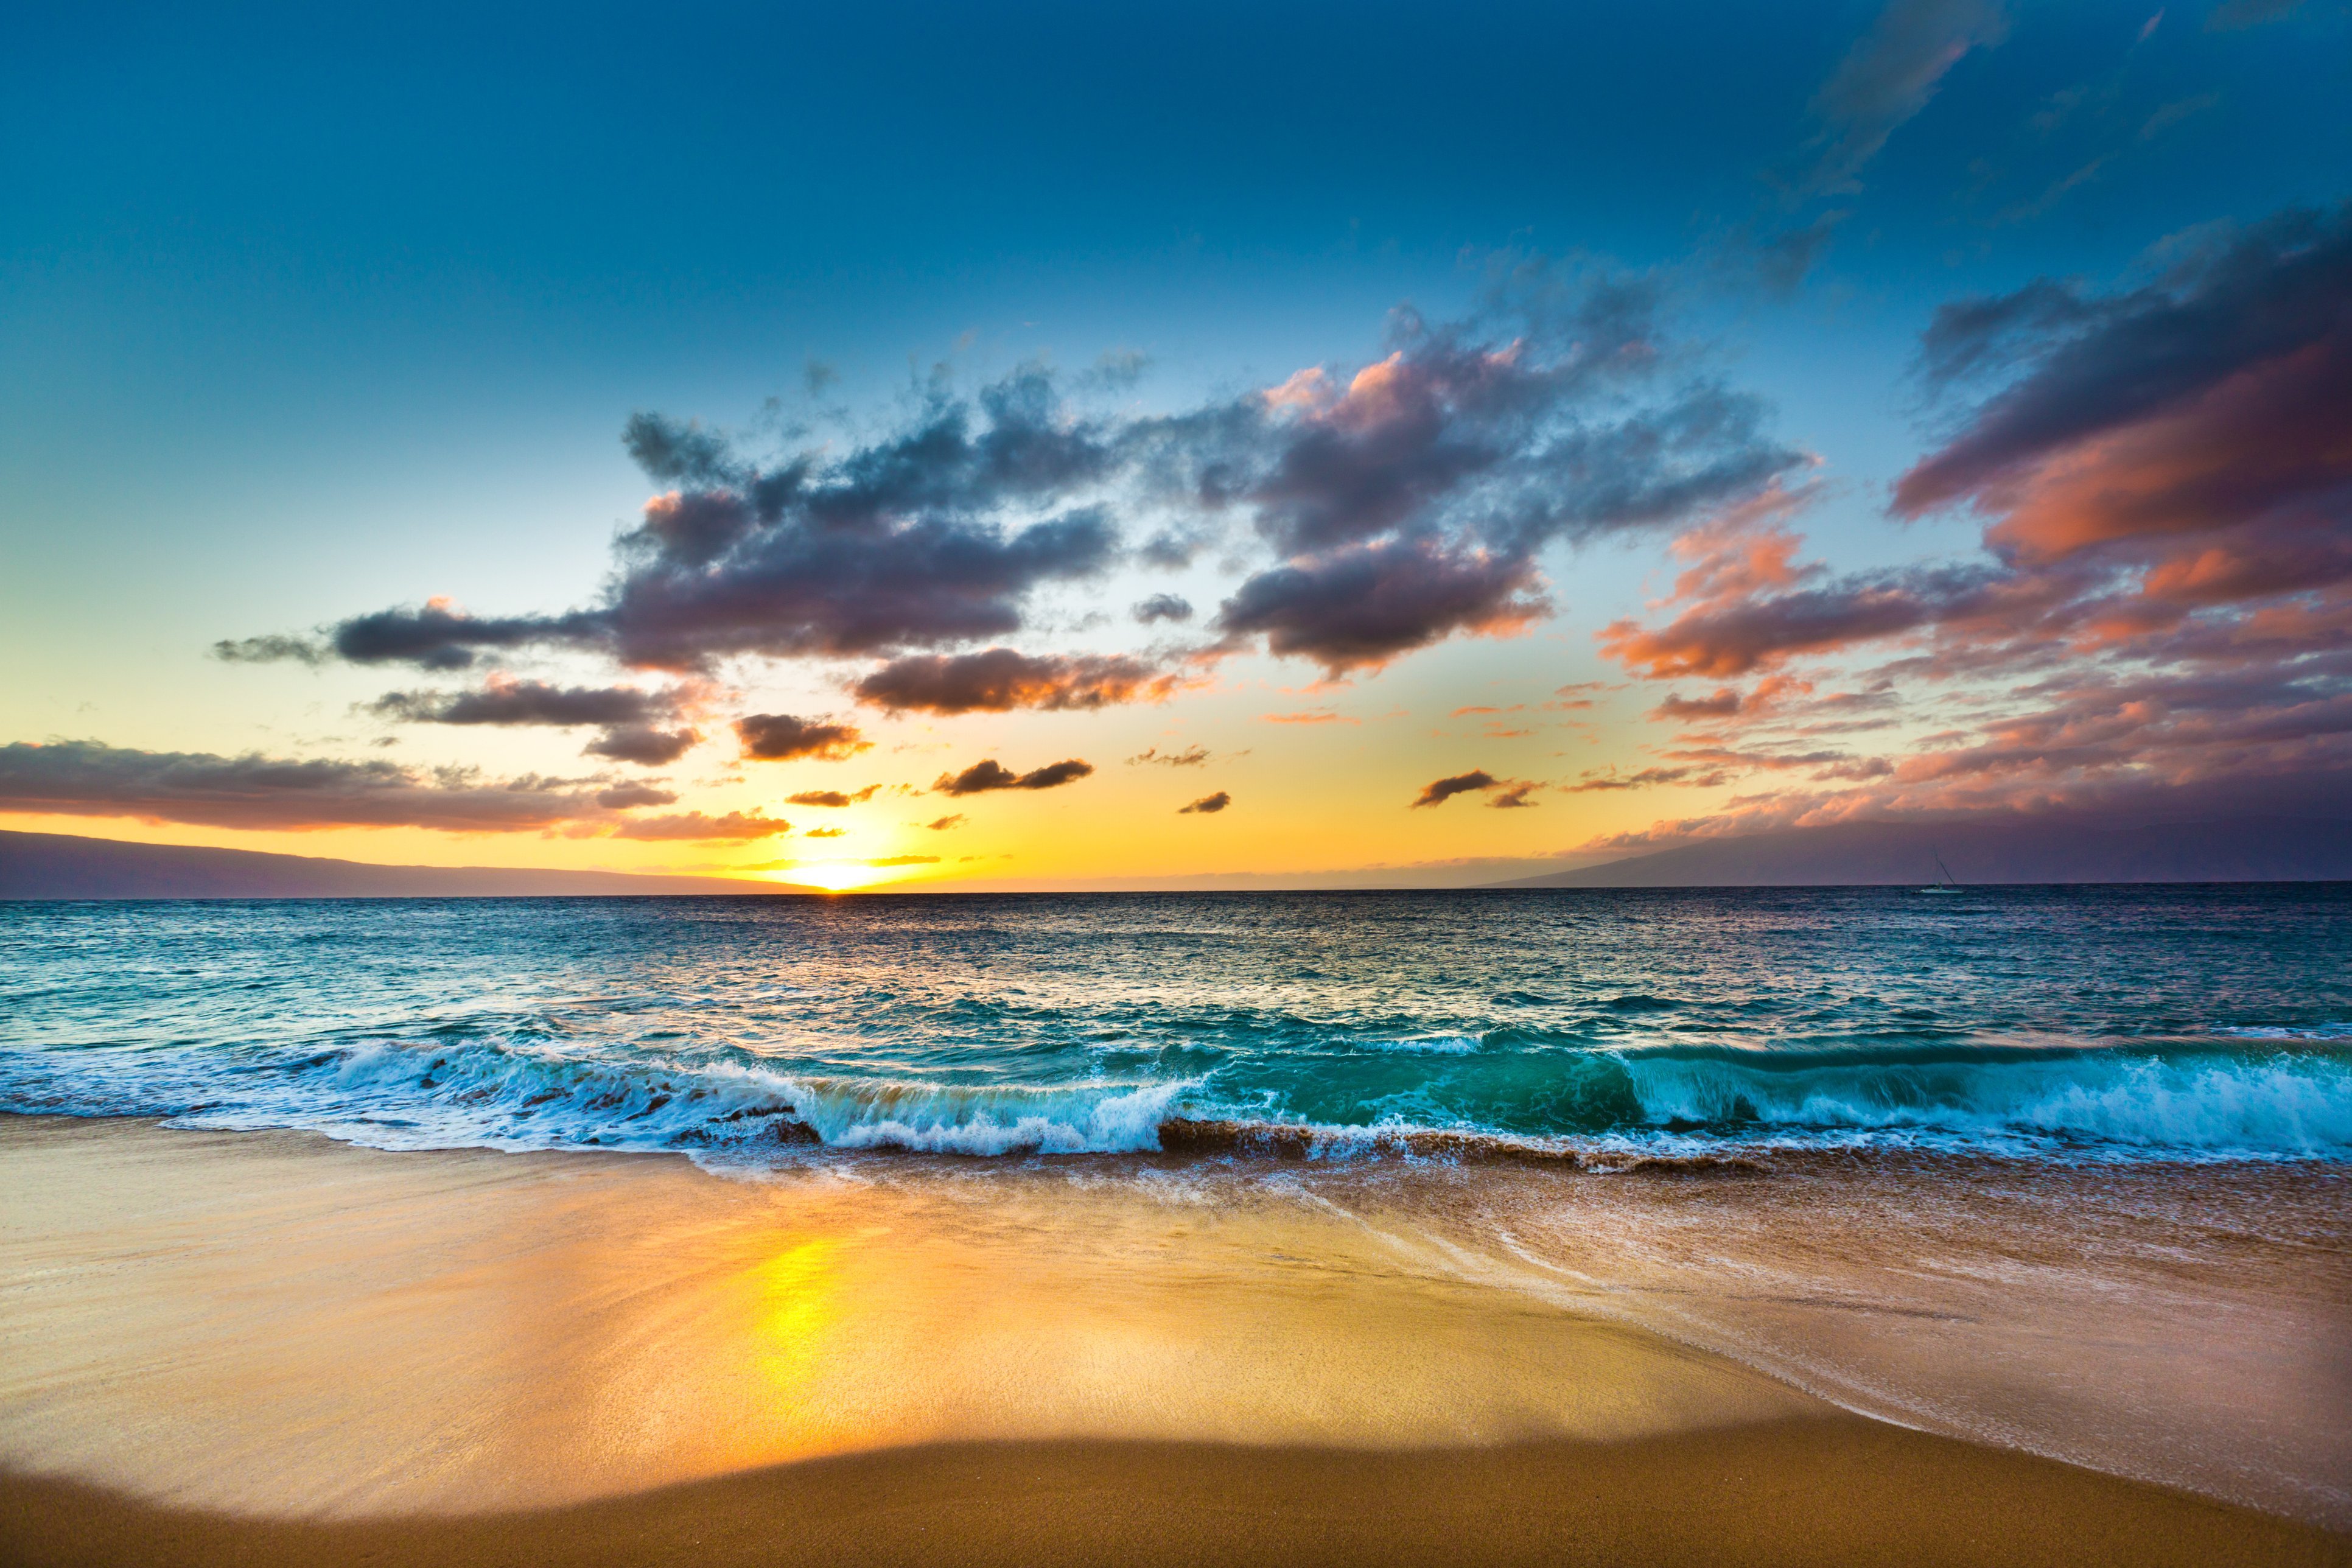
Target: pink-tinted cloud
<point>999,680</point>
<point>2164,599</point>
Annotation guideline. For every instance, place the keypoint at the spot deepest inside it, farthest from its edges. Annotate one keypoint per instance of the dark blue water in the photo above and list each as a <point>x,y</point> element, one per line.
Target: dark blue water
<point>2113,1023</point>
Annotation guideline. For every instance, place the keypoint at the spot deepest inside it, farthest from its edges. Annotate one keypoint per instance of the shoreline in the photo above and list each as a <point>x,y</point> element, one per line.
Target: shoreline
<point>273,1349</point>
<point>1821,1490</point>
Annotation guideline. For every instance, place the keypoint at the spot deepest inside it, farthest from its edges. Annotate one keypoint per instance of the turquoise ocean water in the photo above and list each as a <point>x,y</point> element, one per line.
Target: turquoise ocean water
<point>2075,1025</point>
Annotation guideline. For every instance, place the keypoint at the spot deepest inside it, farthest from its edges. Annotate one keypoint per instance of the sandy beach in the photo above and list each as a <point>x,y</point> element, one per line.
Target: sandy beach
<point>1807,1491</point>
<point>271,1348</point>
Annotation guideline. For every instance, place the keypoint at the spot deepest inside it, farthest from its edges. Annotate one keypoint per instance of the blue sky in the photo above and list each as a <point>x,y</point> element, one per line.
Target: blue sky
<point>307,314</point>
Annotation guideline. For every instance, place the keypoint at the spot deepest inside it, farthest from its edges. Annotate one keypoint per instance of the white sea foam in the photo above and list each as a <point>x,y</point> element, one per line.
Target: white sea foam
<point>2286,1103</point>
<point>540,1093</point>
<point>958,1120</point>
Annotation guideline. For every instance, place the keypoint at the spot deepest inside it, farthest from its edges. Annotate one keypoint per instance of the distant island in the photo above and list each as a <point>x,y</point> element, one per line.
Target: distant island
<point>60,866</point>
<point>1866,854</point>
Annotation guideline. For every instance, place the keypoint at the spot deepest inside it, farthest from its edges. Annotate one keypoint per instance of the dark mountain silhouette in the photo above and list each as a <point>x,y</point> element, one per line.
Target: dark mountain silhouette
<point>1862,854</point>
<point>57,866</point>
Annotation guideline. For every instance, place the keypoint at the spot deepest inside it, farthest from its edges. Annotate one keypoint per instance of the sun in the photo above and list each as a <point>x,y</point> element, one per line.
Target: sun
<point>832,876</point>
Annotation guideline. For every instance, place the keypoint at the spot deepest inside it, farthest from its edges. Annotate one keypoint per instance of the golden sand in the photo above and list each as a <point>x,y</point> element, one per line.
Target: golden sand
<point>269,1348</point>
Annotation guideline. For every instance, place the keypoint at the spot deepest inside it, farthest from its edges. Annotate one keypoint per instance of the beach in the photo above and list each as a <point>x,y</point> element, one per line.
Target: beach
<point>272,1348</point>
<point>1836,1226</point>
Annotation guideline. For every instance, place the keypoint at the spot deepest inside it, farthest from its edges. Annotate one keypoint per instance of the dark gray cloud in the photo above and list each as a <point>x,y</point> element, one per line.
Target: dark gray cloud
<point>626,714</point>
<point>1162,607</point>
<point>1411,504</point>
<point>1207,805</point>
<point>1439,791</point>
<point>998,680</point>
<point>832,799</point>
<point>275,649</point>
<point>643,745</point>
<point>1561,414</point>
<point>779,737</point>
<point>526,703</point>
<point>442,637</point>
<point>1368,602</point>
<point>982,777</point>
<point>620,798</point>
<point>86,778</point>
<point>935,534</point>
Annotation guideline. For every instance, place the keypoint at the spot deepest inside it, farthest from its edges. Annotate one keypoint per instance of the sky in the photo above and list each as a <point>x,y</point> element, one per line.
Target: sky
<point>1058,446</point>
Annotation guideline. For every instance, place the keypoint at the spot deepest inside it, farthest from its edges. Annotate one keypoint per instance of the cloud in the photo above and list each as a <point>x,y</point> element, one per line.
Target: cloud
<point>1410,503</point>
<point>1207,805</point>
<point>1513,798</point>
<point>624,795</point>
<point>945,823</point>
<point>276,649</point>
<point>2200,402</point>
<point>832,798</point>
<point>1727,702</point>
<point>1366,604</point>
<point>1403,501</point>
<point>1440,791</point>
<point>1162,607</point>
<point>2163,600</point>
<point>905,860</point>
<point>825,833</point>
<point>1647,779</point>
<point>643,745</point>
<point>626,713</point>
<point>982,777</point>
<point>779,737</point>
<point>442,634</point>
<point>694,827</point>
<point>1310,716</point>
<point>506,700</point>
<point>1888,77</point>
<point>1190,757</point>
<point>2165,478</point>
<point>259,794</point>
<point>998,680</point>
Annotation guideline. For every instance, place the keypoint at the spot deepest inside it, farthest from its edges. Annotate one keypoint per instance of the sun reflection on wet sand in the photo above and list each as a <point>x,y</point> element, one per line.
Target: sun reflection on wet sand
<point>274,1323</point>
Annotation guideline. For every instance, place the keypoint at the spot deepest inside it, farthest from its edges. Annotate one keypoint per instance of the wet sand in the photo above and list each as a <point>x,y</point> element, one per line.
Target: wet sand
<point>269,1348</point>
<point>1825,1492</point>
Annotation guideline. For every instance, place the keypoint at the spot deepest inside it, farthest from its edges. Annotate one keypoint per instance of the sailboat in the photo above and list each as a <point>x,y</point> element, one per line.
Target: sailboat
<point>1943,883</point>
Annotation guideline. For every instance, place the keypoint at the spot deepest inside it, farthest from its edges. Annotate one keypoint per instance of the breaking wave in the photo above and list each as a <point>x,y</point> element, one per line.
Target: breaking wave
<point>1594,1109</point>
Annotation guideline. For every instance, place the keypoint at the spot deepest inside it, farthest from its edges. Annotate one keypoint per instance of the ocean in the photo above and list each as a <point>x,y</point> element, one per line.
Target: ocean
<point>2060,1170</point>
<point>2060,1023</point>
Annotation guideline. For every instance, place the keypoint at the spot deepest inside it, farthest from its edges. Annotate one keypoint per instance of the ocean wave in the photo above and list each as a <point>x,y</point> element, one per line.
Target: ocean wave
<point>1591,1108</point>
<point>2295,1103</point>
<point>934,1118</point>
